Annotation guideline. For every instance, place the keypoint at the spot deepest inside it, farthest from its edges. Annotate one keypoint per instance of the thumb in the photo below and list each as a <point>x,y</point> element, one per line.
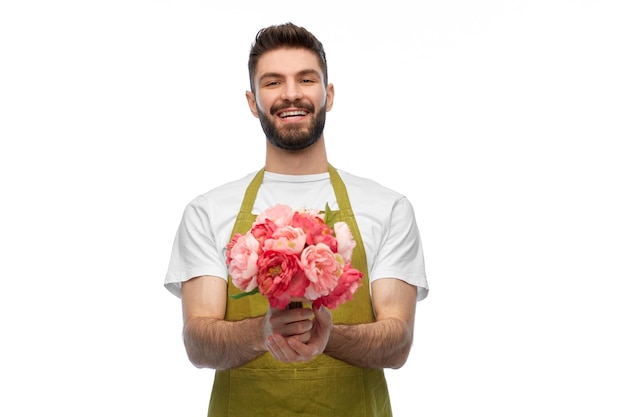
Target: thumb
<point>322,314</point>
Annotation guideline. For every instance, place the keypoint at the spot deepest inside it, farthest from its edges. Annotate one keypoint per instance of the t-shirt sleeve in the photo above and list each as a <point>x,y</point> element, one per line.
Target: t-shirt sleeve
<point>194,252</point>
<point>400,254</point>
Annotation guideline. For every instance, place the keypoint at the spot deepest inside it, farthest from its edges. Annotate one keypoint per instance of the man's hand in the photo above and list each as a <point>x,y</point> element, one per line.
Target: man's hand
<point>297,341</point>
<point>295,323</point>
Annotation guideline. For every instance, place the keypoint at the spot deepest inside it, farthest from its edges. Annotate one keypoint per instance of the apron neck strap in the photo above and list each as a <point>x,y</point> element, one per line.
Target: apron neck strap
<point>340,190</point>
<point>251,192</point>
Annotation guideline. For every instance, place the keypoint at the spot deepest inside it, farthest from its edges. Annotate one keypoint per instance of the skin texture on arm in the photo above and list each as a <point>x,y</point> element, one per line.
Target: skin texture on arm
<point>213,342</point>
<point>385,343</point>
<point>210,341</point>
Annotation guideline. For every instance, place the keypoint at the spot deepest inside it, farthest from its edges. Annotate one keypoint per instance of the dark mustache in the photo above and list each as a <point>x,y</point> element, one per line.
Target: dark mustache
<point>282,106</point>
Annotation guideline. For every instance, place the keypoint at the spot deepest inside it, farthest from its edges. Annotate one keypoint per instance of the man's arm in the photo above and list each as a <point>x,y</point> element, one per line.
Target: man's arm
<point>212,342</point>
<point>386,343</point>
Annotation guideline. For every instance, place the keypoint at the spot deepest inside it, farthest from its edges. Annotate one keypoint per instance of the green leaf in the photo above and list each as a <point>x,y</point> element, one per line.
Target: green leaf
<point>330,216</point>
<point>244,294</point>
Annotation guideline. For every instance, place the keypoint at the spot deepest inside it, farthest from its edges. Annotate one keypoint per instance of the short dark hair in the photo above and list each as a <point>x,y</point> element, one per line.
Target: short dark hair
<point>285,35</point>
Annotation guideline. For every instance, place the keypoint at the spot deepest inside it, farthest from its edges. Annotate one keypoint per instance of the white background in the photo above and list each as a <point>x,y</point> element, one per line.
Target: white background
<point>503,121</point>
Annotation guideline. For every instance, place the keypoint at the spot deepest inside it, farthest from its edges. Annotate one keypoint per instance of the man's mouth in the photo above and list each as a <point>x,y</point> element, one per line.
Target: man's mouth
<point>292,114</point>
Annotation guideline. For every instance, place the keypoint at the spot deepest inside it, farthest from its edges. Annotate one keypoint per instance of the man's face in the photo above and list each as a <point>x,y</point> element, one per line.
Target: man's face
<point>291,100</point>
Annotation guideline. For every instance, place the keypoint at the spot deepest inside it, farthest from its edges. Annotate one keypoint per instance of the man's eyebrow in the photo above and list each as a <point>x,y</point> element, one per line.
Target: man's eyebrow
<point>270,75</point>
<point>309,71</point>
<point>279,75</point>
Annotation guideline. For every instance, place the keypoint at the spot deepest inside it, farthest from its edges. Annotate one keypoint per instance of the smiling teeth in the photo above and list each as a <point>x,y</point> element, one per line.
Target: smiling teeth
<point>293,113</point>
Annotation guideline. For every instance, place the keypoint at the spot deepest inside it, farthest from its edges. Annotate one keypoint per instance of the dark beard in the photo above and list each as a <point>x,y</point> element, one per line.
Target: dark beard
<point>294,138</point>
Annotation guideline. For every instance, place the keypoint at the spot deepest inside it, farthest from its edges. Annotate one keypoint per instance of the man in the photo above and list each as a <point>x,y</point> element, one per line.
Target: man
<point>301,361</point>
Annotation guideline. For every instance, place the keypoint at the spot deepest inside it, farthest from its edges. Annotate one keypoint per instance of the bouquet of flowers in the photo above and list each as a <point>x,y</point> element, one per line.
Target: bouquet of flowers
<point>294,255</point>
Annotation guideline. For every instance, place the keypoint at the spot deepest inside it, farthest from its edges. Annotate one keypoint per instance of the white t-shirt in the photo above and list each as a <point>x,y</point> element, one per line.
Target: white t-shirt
<point>385,218</point>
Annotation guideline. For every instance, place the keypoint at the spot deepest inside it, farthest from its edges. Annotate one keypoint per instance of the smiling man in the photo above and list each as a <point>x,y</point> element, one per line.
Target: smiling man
<point>300,361</point>
<point>291,102</point>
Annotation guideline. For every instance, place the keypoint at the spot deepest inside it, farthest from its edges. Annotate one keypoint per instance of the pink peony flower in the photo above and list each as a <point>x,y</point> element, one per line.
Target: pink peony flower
<point>263,231</point>
<point>348,284</point>
<point>286,239</point>
<point>280,277</point>
<point>316,230</point>
<point>241,256</point>
<point>345,241</point>
<point>322,268</point>
<point>280,214</point>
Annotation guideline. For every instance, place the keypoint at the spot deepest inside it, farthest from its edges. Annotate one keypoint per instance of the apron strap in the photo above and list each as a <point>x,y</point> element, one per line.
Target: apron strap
<point>245,216</point>
<point>251,192</point>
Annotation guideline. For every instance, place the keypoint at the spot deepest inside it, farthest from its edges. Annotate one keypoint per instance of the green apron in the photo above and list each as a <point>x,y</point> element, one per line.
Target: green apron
<point>324,386</point>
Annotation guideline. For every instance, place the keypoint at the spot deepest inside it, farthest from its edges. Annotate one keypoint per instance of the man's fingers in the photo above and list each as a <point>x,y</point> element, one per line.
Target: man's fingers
<point>279,347</point>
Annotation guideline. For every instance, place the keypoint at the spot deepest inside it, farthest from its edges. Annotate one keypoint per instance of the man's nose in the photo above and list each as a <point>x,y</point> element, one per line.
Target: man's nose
<point>292,91</point>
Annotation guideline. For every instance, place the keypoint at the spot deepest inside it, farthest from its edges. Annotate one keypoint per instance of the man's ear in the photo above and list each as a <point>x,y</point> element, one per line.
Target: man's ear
<point>252,103</point>
<point>330,96</point>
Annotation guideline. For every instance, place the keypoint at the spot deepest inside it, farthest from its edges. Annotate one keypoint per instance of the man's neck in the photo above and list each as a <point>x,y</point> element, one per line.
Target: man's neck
<point>312,160</point>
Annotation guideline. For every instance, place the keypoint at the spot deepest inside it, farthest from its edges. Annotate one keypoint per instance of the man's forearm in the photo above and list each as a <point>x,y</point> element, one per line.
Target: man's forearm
<point>382,344</point>
<point>221,344</point>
